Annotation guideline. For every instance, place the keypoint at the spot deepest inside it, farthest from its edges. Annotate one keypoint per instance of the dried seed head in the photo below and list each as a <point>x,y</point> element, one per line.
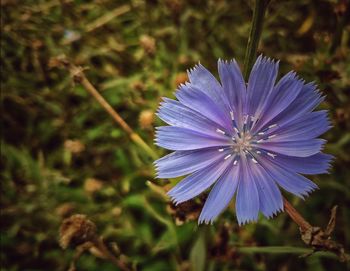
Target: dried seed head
<point>76,230</point>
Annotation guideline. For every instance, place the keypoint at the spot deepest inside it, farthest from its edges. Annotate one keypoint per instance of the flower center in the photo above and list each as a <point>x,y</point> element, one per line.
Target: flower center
<point>244,143</point>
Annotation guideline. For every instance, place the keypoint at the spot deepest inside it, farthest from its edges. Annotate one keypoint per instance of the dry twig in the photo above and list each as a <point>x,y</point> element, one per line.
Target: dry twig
<point>79,77</point>
<point>315,237</point>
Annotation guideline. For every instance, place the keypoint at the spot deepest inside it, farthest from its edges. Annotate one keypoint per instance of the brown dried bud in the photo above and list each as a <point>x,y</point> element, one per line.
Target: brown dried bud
<point>76,230</point>
<point>37,44</point>
<point>74,146</point>
<point>92,185</point>
<point>146,119</point>
<point>138,85</point>
<point>184,60</point>
<point>148,44</point>
<point>181,78</point>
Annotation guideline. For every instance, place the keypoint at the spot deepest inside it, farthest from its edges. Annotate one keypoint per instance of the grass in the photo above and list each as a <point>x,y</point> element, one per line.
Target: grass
<point>61,153</point>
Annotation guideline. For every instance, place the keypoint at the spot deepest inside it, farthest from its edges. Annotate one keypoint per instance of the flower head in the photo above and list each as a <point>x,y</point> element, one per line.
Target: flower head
<point>244,139</point>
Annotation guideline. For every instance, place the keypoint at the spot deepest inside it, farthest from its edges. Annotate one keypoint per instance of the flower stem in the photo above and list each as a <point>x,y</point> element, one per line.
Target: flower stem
<point>254,35</point>
<point>295,215</point>
<point>79,76</point>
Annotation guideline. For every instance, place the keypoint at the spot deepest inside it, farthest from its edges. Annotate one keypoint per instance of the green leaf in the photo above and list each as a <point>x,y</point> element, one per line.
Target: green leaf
<point>166,241</point>
<point>198,254</point>
<point>134,201</point>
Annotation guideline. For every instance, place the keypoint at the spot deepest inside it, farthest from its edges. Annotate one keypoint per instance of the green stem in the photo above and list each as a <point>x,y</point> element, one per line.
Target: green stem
<point>339,30</point>
<point>284,250</point>
<point>254,35</point>
<point>141,143</point>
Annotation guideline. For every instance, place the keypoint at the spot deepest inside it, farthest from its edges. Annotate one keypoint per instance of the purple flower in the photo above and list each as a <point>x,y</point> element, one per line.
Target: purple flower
<point>244,139</point>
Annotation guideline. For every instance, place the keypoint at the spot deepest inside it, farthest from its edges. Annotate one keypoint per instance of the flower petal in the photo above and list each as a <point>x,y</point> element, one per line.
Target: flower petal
<point>184,162</point>
<point>201,78</point>
<point>302,148</point>
<point>270,197</point>
<point>176,114</point>
<point>181,139</point>
<point>307,100</point>
<point>199,181</point>
<point>221,195</point>
<point>307,126</point>
<point>283,94</point>
<point>290,181</point>
<point>234,86</point>
<point>315,164</point>
<point>247,199</point>
<point>261,81</point>
<point>199,101</point>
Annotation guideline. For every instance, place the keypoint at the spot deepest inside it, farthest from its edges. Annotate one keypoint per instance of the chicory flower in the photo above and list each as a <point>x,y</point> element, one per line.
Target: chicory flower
<point>245,139</point>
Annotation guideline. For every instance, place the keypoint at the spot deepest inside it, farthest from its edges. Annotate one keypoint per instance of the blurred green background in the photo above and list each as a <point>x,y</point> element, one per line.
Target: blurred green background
<point>62,154</point>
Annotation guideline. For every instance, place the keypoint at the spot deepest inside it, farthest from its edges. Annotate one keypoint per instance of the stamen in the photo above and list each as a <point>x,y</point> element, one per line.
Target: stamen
<point>234,122</point>
<point>258,152</point>
<point>271,136</point>
<point>272,155</point>
<point>250,122</point>
<point>220,150</point>
<point>232,117</point>
<point>245,123</point>
<point>260,140</point>
<point>220,131</point>
<point>228,156</point>
<point>254,161</point>
<point>246,119</point>
<point>268,128</point>
<point>261,133</point>
<point>235,162</point>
